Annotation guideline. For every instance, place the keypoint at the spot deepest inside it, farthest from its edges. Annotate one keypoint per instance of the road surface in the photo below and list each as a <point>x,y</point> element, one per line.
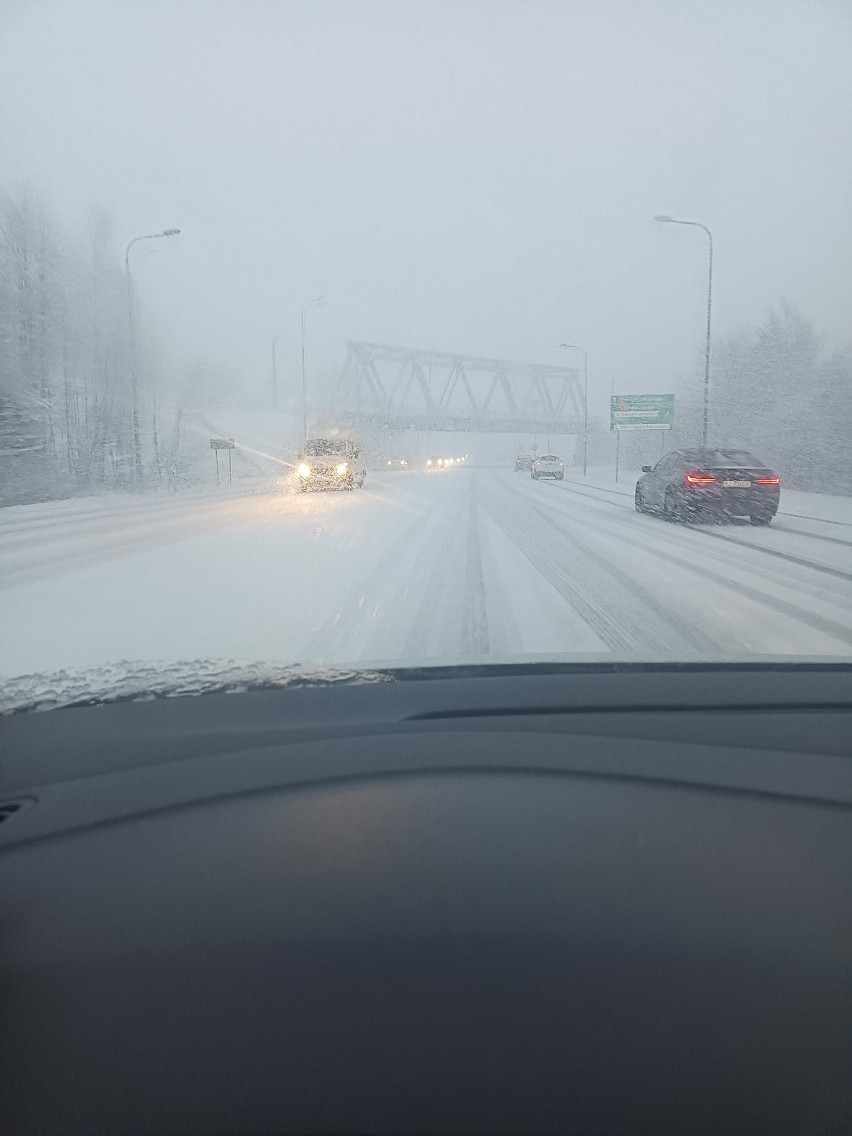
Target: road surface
<point>466,564</point>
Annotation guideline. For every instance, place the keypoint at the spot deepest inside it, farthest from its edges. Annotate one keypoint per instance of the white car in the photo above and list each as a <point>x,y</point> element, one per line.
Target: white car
<point>548,465</point>
<point>331,463</point>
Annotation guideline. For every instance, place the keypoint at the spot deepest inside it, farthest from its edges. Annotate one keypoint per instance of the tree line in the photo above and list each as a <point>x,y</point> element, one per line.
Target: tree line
<point>68,415</point>
<point>65,406</point>
<point>777,390</point>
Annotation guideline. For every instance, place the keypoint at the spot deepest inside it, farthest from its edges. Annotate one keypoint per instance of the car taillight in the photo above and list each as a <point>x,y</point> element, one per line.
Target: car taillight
<point>767,481</point>
<point>699,479</point>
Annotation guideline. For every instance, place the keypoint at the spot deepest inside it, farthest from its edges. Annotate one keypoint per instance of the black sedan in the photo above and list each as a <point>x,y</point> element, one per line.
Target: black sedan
<point>698,484</point>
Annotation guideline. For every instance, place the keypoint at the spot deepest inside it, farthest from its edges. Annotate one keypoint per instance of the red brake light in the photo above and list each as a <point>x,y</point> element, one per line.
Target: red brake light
<point>767,481</point>
<point>699,479</point>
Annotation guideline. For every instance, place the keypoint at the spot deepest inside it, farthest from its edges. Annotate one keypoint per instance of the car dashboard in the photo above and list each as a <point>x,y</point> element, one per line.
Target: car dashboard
<point>507,899</point>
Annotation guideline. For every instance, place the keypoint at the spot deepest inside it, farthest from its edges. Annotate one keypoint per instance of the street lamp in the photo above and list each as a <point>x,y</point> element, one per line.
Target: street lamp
<point>576,347</point>
<point>318,302</point>
<point>697,224</point>
<point>137,446</point>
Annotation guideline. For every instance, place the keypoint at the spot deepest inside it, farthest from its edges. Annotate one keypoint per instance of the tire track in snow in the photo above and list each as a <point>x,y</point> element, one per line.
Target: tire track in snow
<point>666,537</point>
<point>814,620</point>
<point>92,543</point>
<point>662,538</point>
<point>393,603</point>
<point>619,592</point>
<point>700,530</point>
<point>474,628</point>
<point>440,606</point>
<point>616,633</point>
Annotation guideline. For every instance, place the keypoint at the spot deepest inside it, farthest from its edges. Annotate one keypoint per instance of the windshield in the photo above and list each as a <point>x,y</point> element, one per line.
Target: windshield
<point>323,447</point>
<point>586,266</point>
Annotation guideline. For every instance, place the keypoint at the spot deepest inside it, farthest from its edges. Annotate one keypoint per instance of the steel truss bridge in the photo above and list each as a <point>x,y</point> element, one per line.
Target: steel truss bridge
<point>398,388</point>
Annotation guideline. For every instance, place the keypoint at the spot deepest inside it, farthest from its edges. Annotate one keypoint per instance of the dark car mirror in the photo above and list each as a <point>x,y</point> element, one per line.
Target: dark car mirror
<point>646,469</point>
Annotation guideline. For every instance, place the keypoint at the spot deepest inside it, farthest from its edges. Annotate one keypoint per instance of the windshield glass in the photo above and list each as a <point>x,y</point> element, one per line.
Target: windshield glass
<point>573,261</point>
<point>324,447</point>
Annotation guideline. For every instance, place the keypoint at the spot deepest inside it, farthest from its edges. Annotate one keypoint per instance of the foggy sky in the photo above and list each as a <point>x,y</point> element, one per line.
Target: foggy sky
<point>477,177</point>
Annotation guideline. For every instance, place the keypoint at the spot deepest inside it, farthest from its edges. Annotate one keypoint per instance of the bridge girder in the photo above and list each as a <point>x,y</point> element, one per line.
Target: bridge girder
<point>438,390</point>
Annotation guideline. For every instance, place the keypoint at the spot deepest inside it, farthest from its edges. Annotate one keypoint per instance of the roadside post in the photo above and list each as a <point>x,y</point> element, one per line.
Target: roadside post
<point>217,444</point>
<point>639,412</point>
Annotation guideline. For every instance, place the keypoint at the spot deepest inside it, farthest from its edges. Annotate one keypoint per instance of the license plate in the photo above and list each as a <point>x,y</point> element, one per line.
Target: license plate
<point>736,484</point>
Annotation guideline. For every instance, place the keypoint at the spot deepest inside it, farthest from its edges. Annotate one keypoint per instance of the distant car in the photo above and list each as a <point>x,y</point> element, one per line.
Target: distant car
<point>330,463</point>
<point>548,465</point>
<point>434,464</point>
<point>522,463</point>
<point>398,463</point>
<point>691,484</point>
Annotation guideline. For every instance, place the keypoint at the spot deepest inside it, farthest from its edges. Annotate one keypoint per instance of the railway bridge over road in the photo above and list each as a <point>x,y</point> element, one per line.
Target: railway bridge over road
<point>400,388</point>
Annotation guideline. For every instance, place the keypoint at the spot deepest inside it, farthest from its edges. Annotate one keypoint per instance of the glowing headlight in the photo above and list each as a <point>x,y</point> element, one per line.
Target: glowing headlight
<point>341,469</point>
<point>389,463</point>
<point>304,470</point>
<point>440,461</point>
<point>429,462</point>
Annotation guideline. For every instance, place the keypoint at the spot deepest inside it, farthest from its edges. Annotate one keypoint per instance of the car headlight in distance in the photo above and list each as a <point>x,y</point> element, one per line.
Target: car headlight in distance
<point>429,462</point>
<point>390,463</point>
<point>304,470</point>
<point>342,468</point>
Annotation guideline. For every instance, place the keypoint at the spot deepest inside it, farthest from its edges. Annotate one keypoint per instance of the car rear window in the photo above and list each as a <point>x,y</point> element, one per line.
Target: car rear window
<point>723,458</point>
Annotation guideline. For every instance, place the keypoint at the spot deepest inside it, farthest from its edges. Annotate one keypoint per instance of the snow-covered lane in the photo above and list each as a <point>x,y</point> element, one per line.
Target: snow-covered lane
<point>473,564</point>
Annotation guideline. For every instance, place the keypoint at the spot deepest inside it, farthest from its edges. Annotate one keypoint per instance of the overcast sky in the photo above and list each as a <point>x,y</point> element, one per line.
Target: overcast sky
<point>477,177</point>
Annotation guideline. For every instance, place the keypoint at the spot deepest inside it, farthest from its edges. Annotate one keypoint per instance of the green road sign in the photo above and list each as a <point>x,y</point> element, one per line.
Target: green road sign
<point>641,412</point>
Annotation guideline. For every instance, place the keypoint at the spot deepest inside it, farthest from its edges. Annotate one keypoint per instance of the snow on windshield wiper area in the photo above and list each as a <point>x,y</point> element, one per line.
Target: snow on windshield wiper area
<point>128,683</point>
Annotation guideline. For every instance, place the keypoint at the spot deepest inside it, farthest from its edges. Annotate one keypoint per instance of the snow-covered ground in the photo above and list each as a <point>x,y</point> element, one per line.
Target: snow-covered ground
<point>471,563</point>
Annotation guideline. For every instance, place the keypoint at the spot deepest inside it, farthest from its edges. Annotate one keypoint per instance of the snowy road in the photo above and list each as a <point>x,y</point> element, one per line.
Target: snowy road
<point>468,564</point>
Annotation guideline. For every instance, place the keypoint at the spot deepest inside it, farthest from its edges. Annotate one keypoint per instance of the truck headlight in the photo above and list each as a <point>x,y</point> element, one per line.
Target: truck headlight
<point>342,468</point>
<point>304,470</point>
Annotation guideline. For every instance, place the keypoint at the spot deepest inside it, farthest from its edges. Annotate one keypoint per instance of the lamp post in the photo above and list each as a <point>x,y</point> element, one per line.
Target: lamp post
<point>137,445</point>
<point>665,219</point>
<point>576,347</point>
<point>318,302</point>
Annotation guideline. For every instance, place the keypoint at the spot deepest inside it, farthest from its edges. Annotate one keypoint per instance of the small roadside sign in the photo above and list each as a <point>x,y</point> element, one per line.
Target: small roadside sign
<point>641,412</point>
<point>217,444</point>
